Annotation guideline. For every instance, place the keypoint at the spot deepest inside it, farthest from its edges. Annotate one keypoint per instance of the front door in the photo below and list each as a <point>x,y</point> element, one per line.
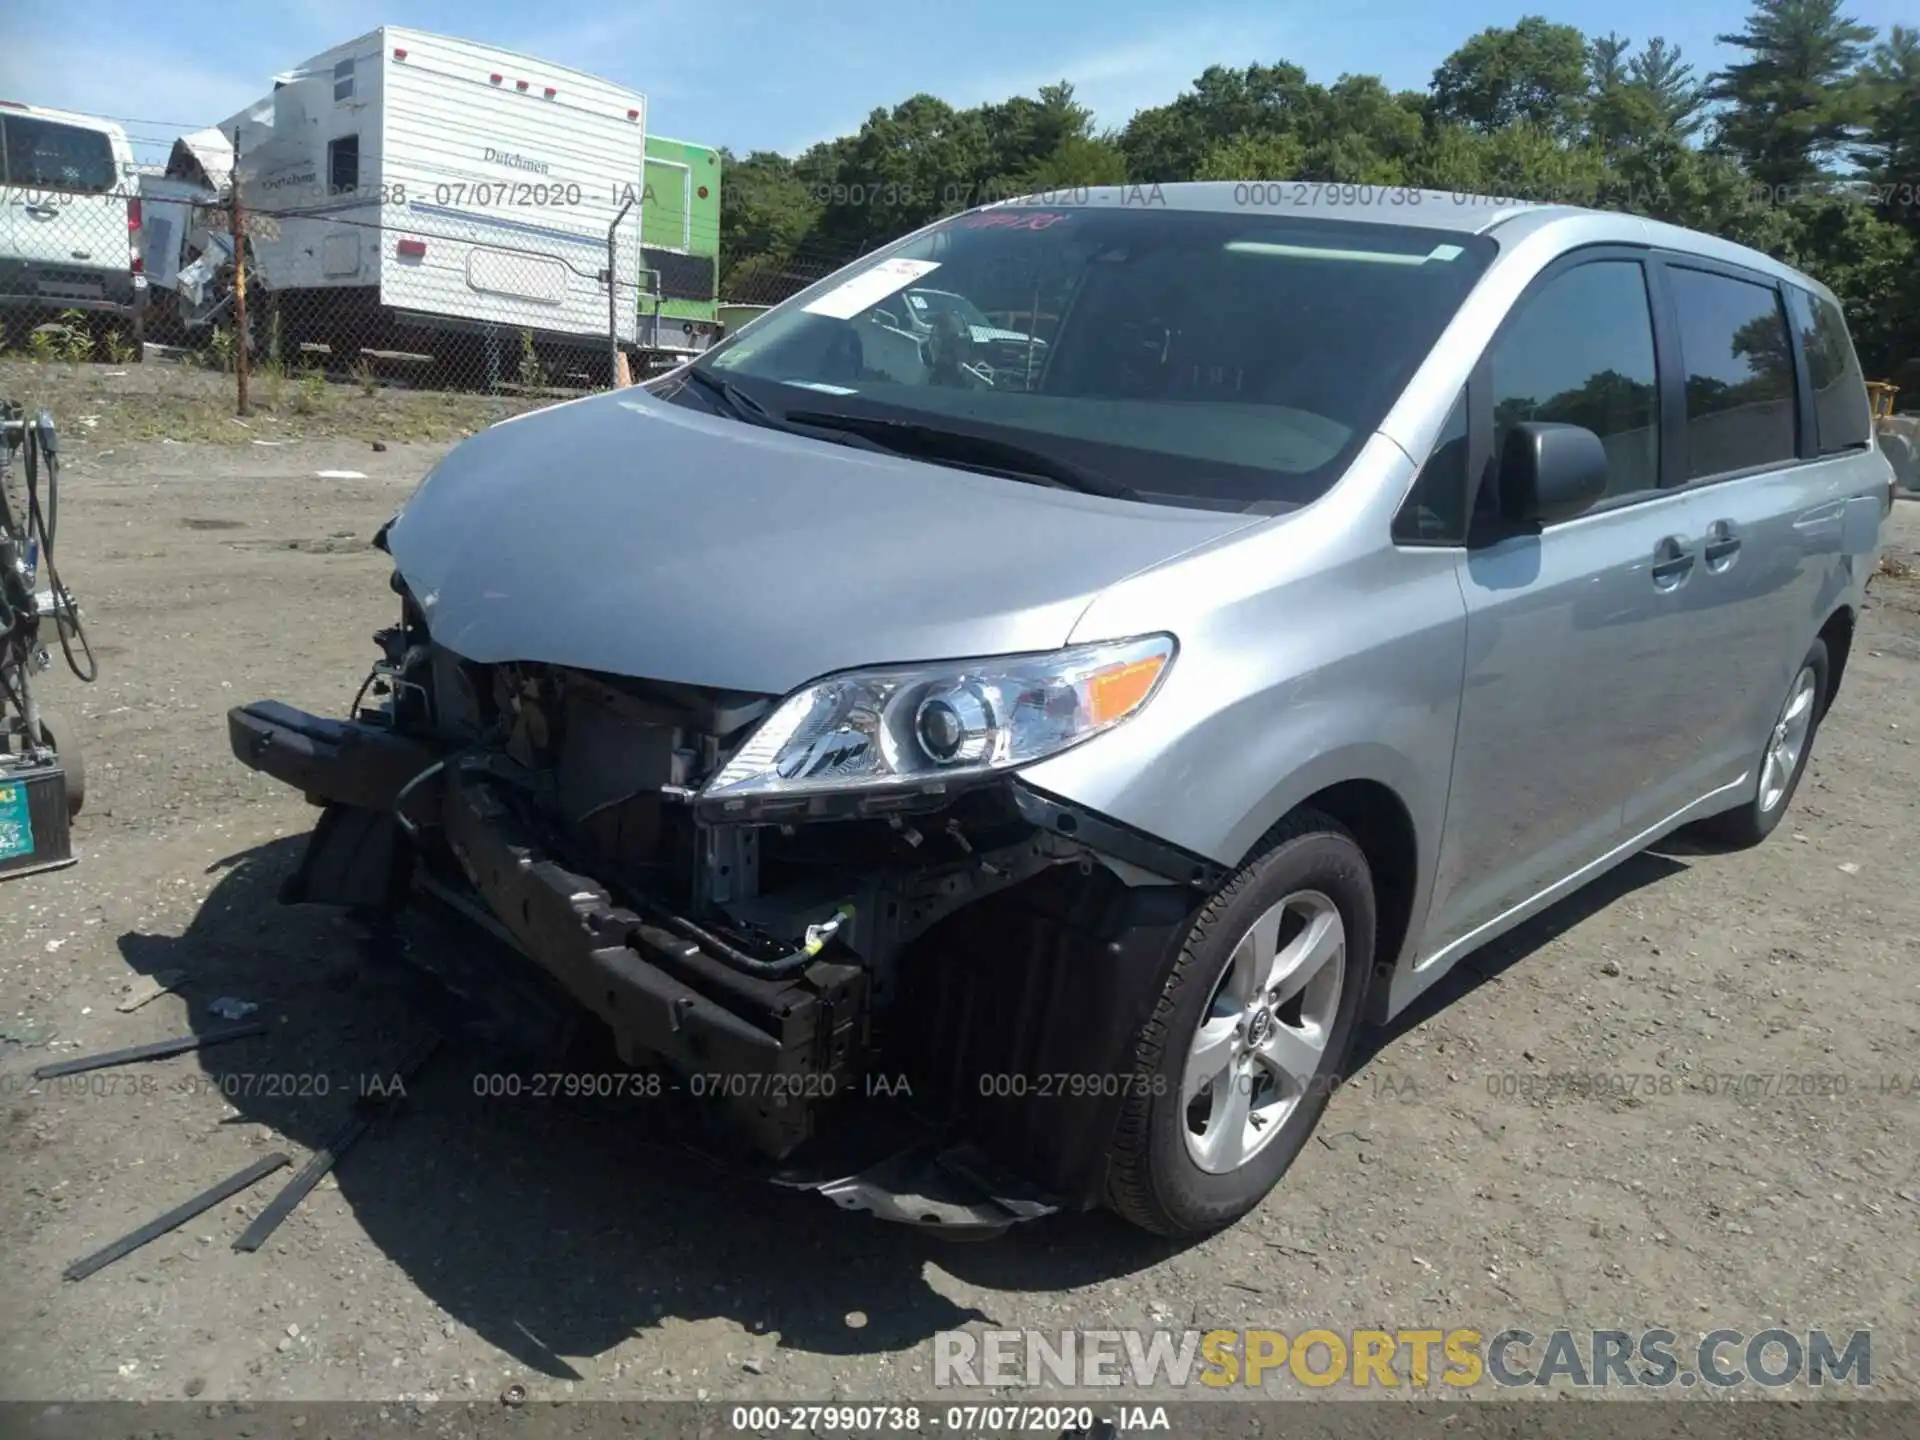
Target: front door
<point>1573,669</point>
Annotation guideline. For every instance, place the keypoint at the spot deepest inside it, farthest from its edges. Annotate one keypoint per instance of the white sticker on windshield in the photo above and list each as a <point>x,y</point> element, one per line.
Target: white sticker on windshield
<point>823,387</point>
<point>1445,252</point>
<point>869,287</point>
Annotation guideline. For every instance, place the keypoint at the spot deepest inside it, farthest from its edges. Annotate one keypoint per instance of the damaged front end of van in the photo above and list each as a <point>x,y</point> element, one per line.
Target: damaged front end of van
<point>731,752</point>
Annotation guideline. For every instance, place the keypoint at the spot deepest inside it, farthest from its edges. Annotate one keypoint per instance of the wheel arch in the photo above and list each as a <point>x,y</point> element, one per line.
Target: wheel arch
<point>1383,824</point>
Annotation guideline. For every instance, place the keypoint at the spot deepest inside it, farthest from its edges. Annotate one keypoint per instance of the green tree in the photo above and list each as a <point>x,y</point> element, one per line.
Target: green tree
<point>1253,157</point>
<point>1170,142</point>
<point>765,214</point>
<point>1357,131</point>
<point>1079,160</point>
<point>1022,132</point>
<point>1659,71</point>
<point>1890,150</point>
<point>1639,98</point>
<point>1521,162</point>
<point>905,167</point>
<point>1531,73</point>
<point>1665,179</point>
<point>1791,107</point>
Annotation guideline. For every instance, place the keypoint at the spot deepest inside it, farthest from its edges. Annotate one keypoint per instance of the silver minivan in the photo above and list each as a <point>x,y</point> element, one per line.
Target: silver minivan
<point>979,790</point>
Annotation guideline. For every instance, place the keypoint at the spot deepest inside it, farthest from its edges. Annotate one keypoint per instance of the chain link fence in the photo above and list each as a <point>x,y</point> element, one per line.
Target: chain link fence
<point>308,301</point>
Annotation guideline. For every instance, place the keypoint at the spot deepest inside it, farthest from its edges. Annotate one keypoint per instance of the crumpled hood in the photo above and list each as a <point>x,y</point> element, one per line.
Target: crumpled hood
<point>623,534</point>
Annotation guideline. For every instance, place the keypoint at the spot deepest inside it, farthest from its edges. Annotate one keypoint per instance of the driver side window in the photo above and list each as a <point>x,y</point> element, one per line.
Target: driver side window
<point>1579,351</point>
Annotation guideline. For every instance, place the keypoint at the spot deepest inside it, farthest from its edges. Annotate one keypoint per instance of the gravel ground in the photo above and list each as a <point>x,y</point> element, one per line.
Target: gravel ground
<point>483,1243</point>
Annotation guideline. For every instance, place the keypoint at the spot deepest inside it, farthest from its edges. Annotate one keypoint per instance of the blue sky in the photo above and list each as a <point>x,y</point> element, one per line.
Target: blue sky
<point>780,74</point>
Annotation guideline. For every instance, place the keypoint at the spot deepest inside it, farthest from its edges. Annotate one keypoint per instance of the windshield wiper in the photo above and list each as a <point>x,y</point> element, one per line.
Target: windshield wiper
<point>910,437</point>
<point>742,405</point>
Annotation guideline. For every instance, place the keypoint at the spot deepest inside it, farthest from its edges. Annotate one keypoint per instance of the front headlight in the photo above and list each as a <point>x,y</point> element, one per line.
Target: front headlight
<point>920,728</point>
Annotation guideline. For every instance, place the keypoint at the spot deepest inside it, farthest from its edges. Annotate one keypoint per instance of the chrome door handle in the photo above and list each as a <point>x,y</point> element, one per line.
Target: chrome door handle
<point>1673,560</point>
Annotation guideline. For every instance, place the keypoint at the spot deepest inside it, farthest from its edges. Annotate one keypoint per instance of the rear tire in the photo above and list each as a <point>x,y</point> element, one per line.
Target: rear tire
<point>1782,760</point>
<point>1190,1156</point>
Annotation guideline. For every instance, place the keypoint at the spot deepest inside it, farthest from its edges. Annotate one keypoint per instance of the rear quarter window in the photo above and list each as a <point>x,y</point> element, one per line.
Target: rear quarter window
<point>1843,418</point>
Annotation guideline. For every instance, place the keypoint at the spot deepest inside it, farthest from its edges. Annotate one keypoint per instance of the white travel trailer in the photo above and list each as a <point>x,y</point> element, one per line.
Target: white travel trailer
<point>409,182</point>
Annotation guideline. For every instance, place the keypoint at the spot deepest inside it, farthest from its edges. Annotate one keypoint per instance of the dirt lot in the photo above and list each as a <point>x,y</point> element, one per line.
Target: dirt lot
<point>481,1243</point>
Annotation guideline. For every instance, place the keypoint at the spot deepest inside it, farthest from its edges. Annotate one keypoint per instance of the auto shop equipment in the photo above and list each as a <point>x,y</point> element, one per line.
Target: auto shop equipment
<point>42,782</point>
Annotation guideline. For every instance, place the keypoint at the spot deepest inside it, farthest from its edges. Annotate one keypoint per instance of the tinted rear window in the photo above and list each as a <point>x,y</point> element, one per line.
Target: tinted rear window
<point>46,155</point>
<point>1740,386</point>
<point>1843,420</point>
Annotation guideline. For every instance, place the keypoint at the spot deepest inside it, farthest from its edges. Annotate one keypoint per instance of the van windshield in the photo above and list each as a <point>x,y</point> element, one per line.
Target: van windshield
<point>1224,360</point>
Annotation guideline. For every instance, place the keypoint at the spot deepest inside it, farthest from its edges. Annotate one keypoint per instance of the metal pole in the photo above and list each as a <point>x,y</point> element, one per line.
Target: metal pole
<point>242,347</point>
<point>613,292</point>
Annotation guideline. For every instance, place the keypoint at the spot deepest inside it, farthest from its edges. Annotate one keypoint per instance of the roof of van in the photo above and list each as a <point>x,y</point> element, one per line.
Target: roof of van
<point>65,117</point>
<point>1458,212</point>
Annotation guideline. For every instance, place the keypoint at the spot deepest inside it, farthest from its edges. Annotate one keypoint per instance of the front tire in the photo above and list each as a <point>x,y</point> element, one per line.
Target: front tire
<point>1256,1017</point>
<point>1783,760</point>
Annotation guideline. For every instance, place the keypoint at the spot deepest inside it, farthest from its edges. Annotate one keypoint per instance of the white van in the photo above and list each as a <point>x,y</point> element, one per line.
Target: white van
<point>69,216</point>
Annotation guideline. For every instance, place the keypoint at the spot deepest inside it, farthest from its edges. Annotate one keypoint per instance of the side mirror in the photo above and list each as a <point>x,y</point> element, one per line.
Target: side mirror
<point>1549,472</point>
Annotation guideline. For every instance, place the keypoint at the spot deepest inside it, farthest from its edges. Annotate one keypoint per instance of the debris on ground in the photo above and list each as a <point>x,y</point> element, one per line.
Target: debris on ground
<point>25,1032</point>
<point>177,1216</point>
<point>150,987</point>
<point>228,1007</point>
<point>157,1050</point>
<point>366,1112</point>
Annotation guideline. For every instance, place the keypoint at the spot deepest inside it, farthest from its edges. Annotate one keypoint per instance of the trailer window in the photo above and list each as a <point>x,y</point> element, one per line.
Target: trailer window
<point>343,165</point>
<point>343,81</point>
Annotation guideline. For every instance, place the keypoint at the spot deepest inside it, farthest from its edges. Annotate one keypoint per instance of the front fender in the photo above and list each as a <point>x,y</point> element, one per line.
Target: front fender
<point>1245,731</point>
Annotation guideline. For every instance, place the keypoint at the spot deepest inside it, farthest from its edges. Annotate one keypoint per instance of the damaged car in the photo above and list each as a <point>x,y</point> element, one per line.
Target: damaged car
<point>976,800</point>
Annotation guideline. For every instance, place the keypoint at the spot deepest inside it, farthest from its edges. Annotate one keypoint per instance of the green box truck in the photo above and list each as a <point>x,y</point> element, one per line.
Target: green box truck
<point>680,252</point>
